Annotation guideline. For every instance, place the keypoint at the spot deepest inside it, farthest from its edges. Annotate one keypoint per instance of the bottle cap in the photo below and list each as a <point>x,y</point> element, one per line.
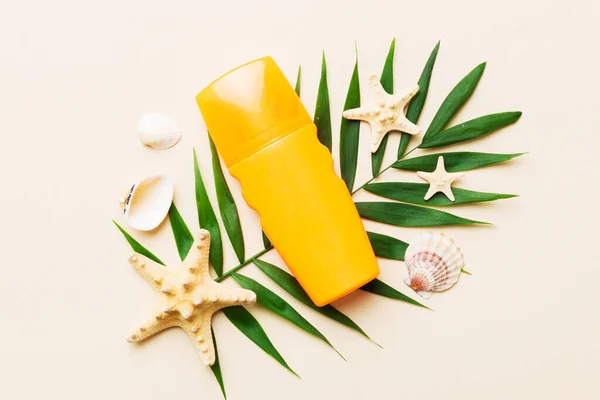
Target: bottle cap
<point>249,108</point>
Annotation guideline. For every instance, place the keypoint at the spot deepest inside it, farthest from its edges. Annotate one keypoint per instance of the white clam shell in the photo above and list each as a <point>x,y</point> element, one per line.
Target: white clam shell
<point>147,203</point>
<point>434,263</point>
<point>158,131</point>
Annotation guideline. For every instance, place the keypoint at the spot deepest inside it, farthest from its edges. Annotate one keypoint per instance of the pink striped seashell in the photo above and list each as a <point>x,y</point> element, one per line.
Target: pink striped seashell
<point>434,263</point>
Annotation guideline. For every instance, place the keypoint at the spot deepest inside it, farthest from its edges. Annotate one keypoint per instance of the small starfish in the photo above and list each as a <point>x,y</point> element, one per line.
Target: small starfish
<point>386,115</point>
<point>189,297</point>
<point>440,180</point>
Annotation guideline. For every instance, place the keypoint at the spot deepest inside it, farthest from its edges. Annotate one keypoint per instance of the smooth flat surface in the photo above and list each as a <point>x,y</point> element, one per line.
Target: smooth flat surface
<point>76,76</point>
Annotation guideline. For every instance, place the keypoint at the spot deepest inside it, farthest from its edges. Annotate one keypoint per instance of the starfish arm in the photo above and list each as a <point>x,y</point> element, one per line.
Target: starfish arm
<point>428,176</point>
<point>440,167</point>
<point>430,192</point>
<point>200,333</point>
<point>402,100</point>
<point>151,327</point>
<point>151,271</point>
<point>447,190</point>
<point>361,113</point>
<point>455,176</point>
<point>235,296</point>
<point>196,262</point>
<point>404,125</point>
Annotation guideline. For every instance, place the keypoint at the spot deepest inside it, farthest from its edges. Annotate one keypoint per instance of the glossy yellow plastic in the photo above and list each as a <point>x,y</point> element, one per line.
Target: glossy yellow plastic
<point>269,143</point>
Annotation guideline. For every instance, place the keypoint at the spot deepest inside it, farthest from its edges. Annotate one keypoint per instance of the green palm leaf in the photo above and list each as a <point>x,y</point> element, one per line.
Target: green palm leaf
<point>415,193</point>
<point>208,220</point>
<point>227,207</point>
<point>387,82</point>
<point>272,302</point>
<point>387,247</point>
<point>288,283</point>
<point>469,130</point>
<point>455,100</point>
<point>136,246</point>
<point>454,161</point>
<point>216,367</point>
<point>298,80</point>
<point>383,289</point>
<point>322,114</point>
<point>349,132</point>
<point>249,326</point>
<point>183,237</point>
<point>400,214</point>
<point>416,105</point>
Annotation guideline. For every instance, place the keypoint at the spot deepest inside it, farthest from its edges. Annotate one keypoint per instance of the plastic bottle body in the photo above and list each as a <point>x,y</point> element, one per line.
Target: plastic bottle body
<point>308,214</point>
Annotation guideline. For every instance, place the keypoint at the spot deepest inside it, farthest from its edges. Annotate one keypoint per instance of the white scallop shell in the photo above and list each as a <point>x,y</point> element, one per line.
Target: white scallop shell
<point>147,203</point>
<point>434,263</point>
<point>158,131</point>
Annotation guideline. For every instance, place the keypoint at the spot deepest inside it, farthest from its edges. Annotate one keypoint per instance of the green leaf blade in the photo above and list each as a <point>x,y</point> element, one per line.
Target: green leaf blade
<point>274,303</point>
<point>183,237</point>
<point>298,85</point>
<point>208,220</point>
<point>136,246</point>
<point>227,207</point>
<point>387,247</point>
<point>266,241</point>
<point>470,130</point>
<point>383,289</point>
<point>349,132</point>
<point>387,82</point>
<point>418,102</point>
<point>216,367</point>
<point>288,283</point>
<point>408,215</point>
<point>414,193</point>
<point>249,326</point>
<point>454,161</point>
<point>455,100</point>
<point>322,117</point>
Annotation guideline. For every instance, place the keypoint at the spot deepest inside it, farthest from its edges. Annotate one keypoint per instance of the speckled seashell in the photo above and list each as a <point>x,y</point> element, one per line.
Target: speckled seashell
<point>158,131</point>
<point>434,263</point>
<point>147,203</point>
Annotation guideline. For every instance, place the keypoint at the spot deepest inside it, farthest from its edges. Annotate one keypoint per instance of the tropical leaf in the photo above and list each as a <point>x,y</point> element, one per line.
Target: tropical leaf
<point>298,81</point>
<point>415,193</point>
<point>322,114</point>
<point>387,247</point>
<point>401,214</point>
<point>455,100</point>
<point>383,289</point>
<point>216,367</point>
<point>349,132</point>
<point>272,302</point>
<point>387,82</point>
<point>227,207</point>
<point>183,237</point>
<point>266,241</point>
<point>288,283</point>
<point>208,220</point>
<point>249,326</point>
<point>454,161</point>
<point>469,130</point>
<point>136,246</point>
<point>416,105</point>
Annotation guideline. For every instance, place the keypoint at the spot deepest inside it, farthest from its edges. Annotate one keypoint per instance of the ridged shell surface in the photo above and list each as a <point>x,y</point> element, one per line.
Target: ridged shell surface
<point>158,131</point>
<point>434,263</point>
<point>147,203</point>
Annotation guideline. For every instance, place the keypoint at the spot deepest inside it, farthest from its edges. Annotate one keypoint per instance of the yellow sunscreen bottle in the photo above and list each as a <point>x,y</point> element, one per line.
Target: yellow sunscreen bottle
<point>269,143</point>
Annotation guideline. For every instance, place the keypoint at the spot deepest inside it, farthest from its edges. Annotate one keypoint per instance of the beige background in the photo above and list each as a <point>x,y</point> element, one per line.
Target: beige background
<point>76,76</point>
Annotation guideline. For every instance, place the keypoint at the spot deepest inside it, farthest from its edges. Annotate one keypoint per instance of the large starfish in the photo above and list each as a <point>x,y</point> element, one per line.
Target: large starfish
<point>440,180</point>
<point>189,297</point>
<point>387,114</point>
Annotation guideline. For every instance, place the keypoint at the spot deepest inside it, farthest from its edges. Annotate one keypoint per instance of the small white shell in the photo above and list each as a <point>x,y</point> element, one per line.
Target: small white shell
<point>147,203</point>
<point>434,263</point>
<point>158,131</point>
